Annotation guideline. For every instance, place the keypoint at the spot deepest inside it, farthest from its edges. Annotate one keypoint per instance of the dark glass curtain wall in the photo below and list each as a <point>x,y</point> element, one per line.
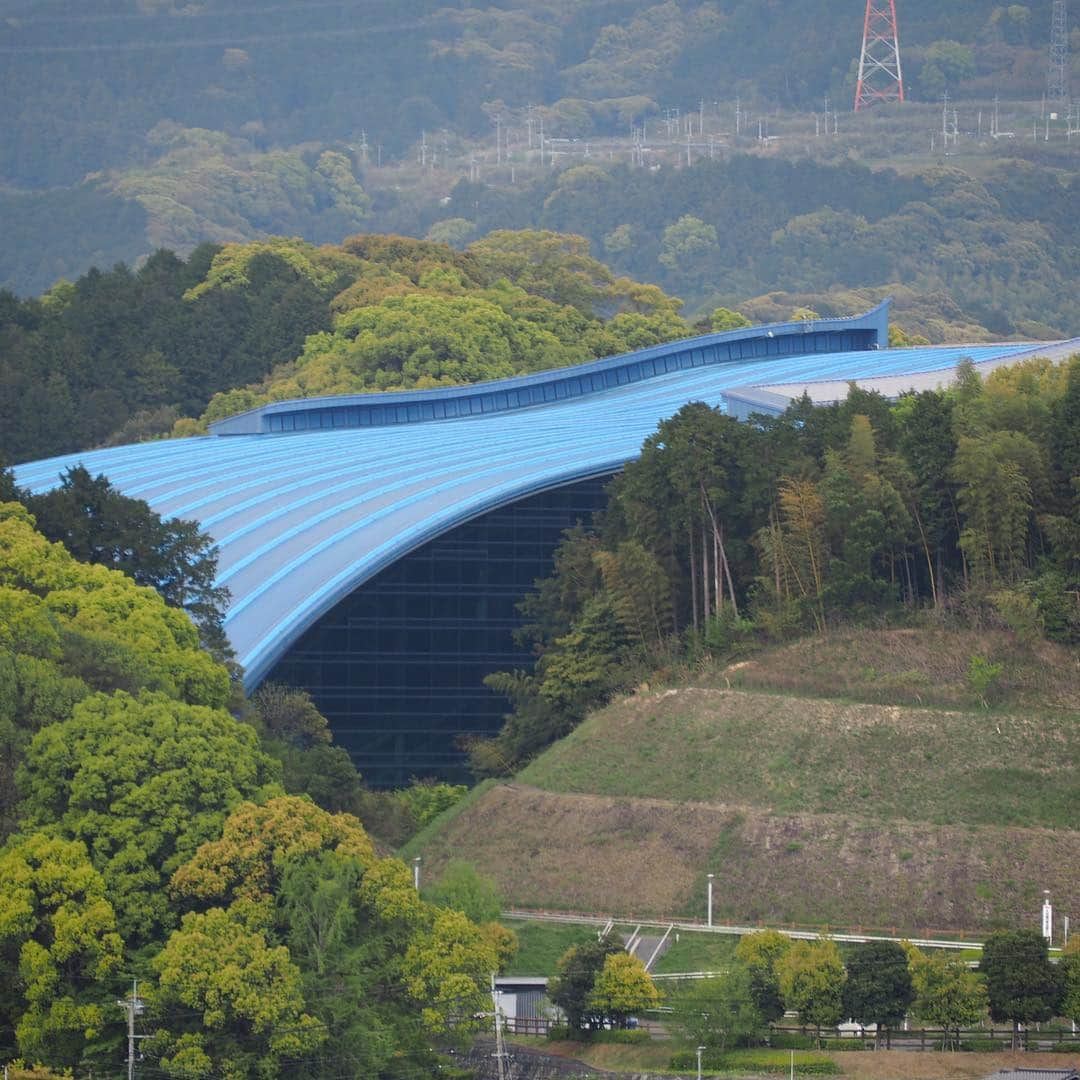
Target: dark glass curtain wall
<point>397,667</point>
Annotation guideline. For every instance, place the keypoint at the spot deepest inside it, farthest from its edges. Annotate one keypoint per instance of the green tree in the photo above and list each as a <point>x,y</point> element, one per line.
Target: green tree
<point>59,948</point>
<point>1021,983</point>
<point>240,996</point>
<point>719,1012</point>
<point>878,989</point>
<point>143,782</point>
<point>687,245</point>
<point>760,953</point>
<point>812,978</point>
<point>1070,963</point>
<point>464,889</point>
<point>994,474</point>
<point>455,232</point>
<point>948,994</point>
<point>378,963</point>
<point>621,988</point>
<point>571,988</point>
<point>724,318</point>
<point>946,63</point>
<point>298,735</point>
<point>99,525</point>
<point>34,693</point>
<point>113,634</point>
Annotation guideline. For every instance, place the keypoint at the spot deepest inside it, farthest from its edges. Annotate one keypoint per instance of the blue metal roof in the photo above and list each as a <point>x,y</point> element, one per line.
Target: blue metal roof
<point>302,519</point>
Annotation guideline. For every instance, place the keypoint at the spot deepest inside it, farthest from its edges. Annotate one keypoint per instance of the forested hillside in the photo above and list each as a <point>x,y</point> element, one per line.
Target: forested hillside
<point>169,124</point>
<point>999,250</point>
<point>148,833</point>
<point>96,82</point>
<point>122,355</point>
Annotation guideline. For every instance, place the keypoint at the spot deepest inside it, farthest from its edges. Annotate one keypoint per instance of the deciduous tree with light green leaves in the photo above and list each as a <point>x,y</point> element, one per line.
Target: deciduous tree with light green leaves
<point>112,633</point>
<point>59,949</point>
<point>760,953</point>
<point>622,988</point>
<point>143,782</point>
<point>948,994</point>
<point>1070,963</point>
<point>718,1012</point>
<point>350,920</point>
<point>240,996</point>
<point>812,978</point>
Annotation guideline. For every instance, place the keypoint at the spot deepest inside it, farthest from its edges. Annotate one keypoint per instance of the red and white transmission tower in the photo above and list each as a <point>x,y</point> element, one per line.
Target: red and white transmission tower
<point>880,77</point>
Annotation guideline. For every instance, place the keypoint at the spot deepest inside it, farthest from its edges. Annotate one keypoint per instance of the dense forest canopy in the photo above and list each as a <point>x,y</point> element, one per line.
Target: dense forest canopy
<point>163,124</point>
<point>96,83</point>
<point>149,830</point>
<point>122,355</point>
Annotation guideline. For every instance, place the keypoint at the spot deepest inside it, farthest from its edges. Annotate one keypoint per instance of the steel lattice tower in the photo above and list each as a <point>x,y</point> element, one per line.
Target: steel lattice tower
<point>880,77</point>
<point>1057,76</point>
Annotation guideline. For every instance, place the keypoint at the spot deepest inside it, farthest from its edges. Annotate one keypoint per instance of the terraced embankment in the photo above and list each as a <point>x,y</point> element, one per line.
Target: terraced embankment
<point>807,810</point>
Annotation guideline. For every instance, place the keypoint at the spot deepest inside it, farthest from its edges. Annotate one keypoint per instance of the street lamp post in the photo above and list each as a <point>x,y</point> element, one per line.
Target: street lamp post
<point>709,916</point>
<point>700,1051</point>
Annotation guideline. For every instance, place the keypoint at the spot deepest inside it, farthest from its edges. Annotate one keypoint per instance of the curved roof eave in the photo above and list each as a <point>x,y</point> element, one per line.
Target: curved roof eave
<point>303,519</point>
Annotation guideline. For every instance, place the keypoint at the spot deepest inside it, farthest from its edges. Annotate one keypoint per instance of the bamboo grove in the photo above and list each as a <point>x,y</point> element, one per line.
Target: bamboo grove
<point>961,503</point>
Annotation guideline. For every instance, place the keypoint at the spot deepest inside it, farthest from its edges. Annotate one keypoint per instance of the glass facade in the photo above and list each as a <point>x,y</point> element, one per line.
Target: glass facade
<point>397,667</point>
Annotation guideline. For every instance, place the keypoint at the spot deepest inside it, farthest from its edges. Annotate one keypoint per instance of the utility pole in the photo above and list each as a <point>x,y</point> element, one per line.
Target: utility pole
<point>709,909</point>
<point>416,865</point>
<point>132,1006</point>
<point>500,1049</point>
<point>700,1051</point>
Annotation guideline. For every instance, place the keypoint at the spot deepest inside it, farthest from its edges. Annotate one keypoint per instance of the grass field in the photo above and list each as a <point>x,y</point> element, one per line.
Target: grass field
<point>799,755</point>
<point>541,944</point>
<point>697,952</point>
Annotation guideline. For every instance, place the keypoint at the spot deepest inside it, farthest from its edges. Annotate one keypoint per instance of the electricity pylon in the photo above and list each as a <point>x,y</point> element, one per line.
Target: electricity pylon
<point>1057,76</point>
<point>880,76</point>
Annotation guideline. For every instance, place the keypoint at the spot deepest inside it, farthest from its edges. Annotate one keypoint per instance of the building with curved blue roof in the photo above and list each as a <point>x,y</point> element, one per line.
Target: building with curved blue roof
<point>321,506</point>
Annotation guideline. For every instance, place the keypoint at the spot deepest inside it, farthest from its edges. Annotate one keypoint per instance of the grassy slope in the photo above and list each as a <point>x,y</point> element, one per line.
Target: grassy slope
<point>793,755</point>
<point>880,1065</point>
<point>809,810</point>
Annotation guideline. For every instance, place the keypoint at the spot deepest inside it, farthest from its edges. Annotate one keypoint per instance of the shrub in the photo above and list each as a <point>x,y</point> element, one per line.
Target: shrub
<point>1065,1048</point>
<point>622,1035</point>
<point>753,1062</point>
<point>784,1040</point>
<point>984,1046</point>
<point>983,676</point>
<point>564,1033</point>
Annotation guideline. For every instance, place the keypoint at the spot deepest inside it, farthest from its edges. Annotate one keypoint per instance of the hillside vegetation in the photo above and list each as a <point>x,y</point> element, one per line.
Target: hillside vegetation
<point>147,831</point>
<point>121,355</point>
<point>926,665</point>
<point>649,857</point>
<point>285,74</point>
<point>793,755</point>
<point>851,779</point>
